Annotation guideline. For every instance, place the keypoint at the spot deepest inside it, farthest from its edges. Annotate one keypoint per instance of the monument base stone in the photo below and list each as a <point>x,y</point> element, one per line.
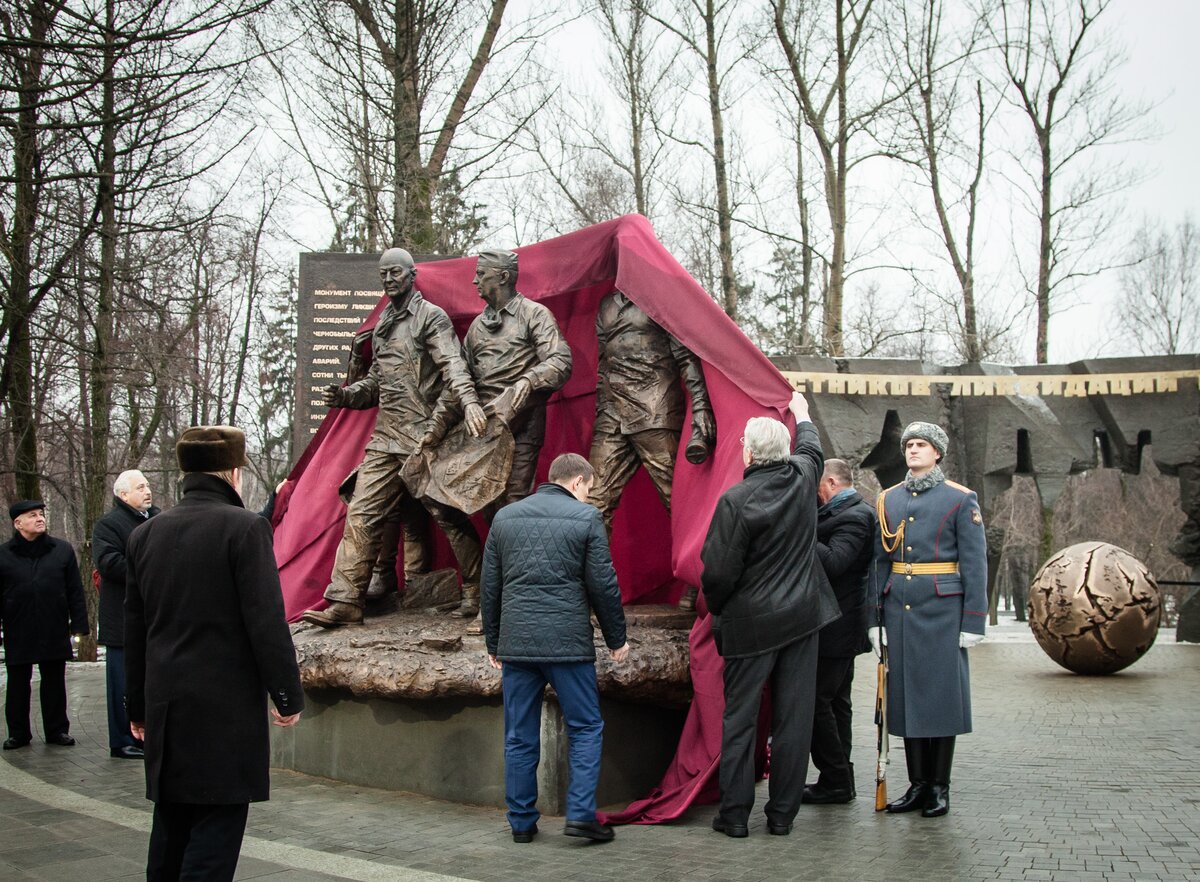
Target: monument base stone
<point>408,702</point>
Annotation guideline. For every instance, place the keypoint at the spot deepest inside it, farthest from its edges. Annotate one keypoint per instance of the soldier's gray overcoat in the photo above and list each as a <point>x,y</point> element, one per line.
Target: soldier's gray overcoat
<point>929,688</point>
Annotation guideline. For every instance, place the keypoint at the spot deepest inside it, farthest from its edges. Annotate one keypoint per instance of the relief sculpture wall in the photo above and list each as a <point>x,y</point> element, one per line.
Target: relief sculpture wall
<point>1114,460</point>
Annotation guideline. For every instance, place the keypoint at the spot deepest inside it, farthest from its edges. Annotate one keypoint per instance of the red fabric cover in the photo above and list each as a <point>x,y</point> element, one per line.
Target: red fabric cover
<point>655,555</point>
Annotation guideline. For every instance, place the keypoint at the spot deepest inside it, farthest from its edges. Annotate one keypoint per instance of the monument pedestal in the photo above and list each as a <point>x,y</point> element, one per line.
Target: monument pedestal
<point>453,748</point>
<point>408,701</point>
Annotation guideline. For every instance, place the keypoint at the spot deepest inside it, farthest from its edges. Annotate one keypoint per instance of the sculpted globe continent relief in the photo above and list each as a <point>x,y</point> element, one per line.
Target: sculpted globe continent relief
<point>1094,608</point>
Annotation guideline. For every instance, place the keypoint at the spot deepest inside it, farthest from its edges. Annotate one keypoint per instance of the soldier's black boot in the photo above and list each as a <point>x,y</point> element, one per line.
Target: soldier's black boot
<point>938,802</point>
<point>918,776</point>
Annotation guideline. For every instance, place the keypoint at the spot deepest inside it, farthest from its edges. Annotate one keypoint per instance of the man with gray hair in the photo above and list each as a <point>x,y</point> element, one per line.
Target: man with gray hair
<point>769,597</point>
<point>133,505</point>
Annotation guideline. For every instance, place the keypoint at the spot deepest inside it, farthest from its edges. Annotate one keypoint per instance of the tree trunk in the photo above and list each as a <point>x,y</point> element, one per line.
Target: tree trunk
<point>729,292</point>
<point>17,377</point>
<point>95,465</point>
<point>1045,252</point>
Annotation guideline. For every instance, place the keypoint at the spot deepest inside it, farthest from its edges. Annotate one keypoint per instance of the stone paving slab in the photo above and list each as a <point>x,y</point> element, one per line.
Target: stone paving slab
<point>1065,778</point>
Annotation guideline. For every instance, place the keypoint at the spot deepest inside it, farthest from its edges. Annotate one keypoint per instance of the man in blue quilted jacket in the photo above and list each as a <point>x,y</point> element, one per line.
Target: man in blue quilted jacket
<point>546,568</point>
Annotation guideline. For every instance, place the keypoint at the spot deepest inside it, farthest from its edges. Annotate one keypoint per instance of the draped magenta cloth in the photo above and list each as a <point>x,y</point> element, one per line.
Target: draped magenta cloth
<point>655,555</point>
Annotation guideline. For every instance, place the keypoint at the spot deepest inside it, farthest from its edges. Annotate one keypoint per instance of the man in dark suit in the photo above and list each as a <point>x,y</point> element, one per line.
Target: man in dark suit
<point>768,596</point>
<point>845,525</point>
<point>133,505</point>
<point>206,642</point>
<point>41,605</point>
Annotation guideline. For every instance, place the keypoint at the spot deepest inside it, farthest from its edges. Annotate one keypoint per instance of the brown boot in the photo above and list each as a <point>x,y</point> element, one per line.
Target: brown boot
<point>476,627</point>
<point>469,608</point>
<point>335,615</point>
<point>687,603</point>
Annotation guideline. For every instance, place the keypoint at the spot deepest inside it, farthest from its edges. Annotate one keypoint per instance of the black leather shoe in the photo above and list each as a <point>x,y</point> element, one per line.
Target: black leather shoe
<point>938,802</point>
<point>914,798</point>
<point>592,830</point>
<point>525,835</point>
<point>14,743</point>
<point>778,829</point>
<point>128,752</point>
<point>733,831</point>
<point>815,794</point>
<point>61,740</point>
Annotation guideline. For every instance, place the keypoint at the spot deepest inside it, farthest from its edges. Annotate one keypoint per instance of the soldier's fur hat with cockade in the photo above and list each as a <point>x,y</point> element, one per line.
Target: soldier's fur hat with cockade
<point>930,432</point>
<point>211,449</point>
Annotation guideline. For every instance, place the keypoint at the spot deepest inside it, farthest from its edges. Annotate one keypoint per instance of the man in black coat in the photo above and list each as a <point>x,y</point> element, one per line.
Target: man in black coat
<point>845,525</point>
<point>769,597</point>
<point>206,642</point>
<point>546,567</point>
<point>133,505</point>
<point>41,605</point>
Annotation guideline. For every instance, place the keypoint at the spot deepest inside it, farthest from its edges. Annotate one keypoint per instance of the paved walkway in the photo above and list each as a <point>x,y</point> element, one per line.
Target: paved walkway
<point>1065,778</point>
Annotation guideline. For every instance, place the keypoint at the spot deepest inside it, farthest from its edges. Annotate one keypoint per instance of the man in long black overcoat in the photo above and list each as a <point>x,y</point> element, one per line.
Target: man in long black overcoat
<point>768,595</point>
<point>133,505</point>
<point>41,605</point>
<point>206,642</point>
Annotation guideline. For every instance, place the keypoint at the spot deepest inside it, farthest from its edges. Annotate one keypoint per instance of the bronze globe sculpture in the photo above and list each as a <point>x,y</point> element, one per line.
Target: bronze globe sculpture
<point>1094,608</point>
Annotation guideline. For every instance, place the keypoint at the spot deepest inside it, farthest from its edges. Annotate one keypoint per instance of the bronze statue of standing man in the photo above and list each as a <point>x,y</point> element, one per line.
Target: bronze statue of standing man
<point>415,361</point>
<point>640,406</point>
<point>517,358</point>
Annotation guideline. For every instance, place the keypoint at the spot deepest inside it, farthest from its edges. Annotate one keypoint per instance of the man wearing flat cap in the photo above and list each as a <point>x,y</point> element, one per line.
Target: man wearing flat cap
<point>931,575</point>
<point>41,605</point>
<point>415,359</point>
<point>517,358</point>
<point>206,642</point>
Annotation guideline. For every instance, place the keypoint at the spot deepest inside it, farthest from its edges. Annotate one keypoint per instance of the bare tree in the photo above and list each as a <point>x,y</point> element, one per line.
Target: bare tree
<point>1062,69</point>
<point>945,126</point>
<point>39,235</point>
<point>839,98</point>
<point>398,90</point>
<point>705,29</point>
<point>1160,289</point>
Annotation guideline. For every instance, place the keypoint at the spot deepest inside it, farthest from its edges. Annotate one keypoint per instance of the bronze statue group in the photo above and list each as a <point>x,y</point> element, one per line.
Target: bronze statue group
<point>788,558</point>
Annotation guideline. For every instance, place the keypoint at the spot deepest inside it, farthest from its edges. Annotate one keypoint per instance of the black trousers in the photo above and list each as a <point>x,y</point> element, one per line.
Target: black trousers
<point>831,723</point>
<point>791,673</point>
<point>52,691</point>
<point>195,843</point>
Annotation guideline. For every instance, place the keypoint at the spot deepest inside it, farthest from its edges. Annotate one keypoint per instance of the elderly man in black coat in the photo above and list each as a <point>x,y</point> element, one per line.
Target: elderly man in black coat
<point>133,505</point>
<point>546,567</point>
<point>41,605</point>
<point>845,525</point>
<point>769,597</point>
<point>206,642</point>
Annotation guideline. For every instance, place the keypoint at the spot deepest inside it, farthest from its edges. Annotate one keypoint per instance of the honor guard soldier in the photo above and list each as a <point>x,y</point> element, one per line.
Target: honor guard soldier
<point>931,578</point>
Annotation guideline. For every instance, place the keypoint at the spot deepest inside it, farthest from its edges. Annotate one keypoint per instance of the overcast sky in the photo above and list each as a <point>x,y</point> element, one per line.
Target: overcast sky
<point>1163,67</point>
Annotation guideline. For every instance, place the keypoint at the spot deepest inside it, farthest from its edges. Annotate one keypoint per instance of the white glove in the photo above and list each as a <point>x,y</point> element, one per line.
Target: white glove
<point>966,641</point>
<point>878,638</point>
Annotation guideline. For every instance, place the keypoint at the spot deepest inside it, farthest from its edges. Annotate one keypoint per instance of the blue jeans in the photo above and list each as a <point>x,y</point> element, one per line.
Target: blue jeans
<point>114,677</point>
<point>524,684</point>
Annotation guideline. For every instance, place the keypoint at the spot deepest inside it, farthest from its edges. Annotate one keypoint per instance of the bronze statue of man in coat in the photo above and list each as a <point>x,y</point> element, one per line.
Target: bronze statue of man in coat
<point>517,358</point>
<point>640,406</point>
<point>415,359</point>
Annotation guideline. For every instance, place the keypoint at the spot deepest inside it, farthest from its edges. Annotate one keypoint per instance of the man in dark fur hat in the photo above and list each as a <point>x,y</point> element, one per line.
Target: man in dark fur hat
<point>206,642</point>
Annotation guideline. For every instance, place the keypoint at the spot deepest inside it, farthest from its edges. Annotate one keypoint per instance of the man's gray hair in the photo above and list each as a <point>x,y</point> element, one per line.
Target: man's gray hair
<point>767,439</point>
<point>124,482</point>
<point>840,471</point>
